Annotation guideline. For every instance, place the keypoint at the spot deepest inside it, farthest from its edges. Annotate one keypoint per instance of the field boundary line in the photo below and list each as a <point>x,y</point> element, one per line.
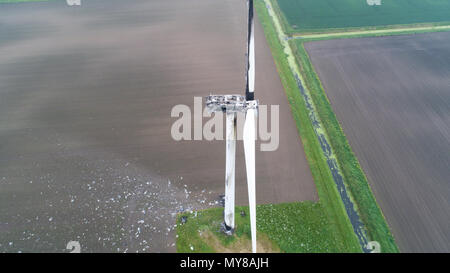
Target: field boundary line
<point>377,32</point>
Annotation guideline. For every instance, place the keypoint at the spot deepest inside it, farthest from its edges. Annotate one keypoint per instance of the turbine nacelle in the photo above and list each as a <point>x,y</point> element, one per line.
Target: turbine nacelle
<point>229,103</point>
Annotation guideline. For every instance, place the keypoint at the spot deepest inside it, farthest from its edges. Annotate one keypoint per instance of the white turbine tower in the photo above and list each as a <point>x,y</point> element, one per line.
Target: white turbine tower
<point>231,104</point>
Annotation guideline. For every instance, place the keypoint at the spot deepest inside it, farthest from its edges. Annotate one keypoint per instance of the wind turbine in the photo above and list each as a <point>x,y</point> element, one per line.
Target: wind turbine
<point>231,104</point>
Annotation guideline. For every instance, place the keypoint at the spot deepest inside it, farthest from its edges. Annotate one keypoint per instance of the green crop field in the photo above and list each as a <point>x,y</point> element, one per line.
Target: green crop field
<point>319,15</point>
<point>17,1</point>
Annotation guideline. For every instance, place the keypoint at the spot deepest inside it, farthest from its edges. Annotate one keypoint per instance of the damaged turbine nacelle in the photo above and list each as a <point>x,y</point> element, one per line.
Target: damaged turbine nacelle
<point>229,103</point>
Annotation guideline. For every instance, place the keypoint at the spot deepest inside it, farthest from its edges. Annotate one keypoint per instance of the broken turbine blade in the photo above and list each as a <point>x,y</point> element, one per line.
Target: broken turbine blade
<point>250,88</point>
<point>230,170</point>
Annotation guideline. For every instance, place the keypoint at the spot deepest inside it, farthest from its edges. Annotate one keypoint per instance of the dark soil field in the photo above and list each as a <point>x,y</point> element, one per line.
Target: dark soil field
<point>392,97</point>
<point>85,100</point>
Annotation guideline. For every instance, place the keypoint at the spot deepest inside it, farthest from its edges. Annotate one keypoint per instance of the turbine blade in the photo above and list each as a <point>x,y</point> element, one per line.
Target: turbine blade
<point>249,149</point>
<point>250,89</point>
<point>230,170</point>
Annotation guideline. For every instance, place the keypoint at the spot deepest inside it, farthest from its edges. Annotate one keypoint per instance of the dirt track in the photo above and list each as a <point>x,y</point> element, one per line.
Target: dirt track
<point>85,100</point>
<point>392,98</point>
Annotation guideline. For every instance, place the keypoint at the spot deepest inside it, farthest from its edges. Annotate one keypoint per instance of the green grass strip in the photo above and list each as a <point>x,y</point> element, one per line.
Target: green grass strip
<point>291,227</point>
<point>347,35</point>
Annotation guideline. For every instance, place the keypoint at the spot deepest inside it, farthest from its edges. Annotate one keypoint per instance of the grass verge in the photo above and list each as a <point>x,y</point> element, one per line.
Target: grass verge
<point>290,227</point>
